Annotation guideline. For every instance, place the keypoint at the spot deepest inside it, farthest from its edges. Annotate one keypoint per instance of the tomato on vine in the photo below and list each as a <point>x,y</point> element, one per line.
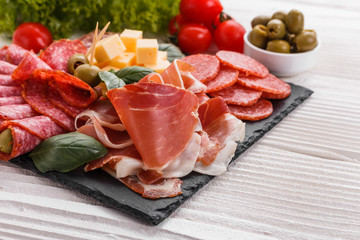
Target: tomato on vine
<point>229,35</point>
<point>194,38</point>
<point>200,11</point>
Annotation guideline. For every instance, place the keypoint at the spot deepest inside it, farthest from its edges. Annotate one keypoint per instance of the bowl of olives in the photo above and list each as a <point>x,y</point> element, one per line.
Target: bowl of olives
<point>281,43</point>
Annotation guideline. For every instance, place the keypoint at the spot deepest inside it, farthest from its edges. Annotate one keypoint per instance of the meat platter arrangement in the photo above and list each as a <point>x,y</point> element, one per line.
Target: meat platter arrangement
<point>123,107</point>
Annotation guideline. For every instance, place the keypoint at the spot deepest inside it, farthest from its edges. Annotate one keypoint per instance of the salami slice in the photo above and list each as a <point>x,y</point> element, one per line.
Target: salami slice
<point>16,54</point>
<point>59,52</point>
<point>238,95</point>
<point>9,91</point>
<point>243,63</point>
<point>27,133</point>
<point>226,77</point>
<point>7,68</point>
<point>206,66</point>
<point>283,95</point>
<point>6,80</point>
<point>11,100</point>
<point>260,110</point>
<point>28,65</point>
<point>269,84</point>
<point>14,112</point>
<point>4,53</point>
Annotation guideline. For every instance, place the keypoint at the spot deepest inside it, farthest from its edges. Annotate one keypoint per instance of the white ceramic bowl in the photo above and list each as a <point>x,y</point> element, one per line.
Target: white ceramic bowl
<point>282,64</point>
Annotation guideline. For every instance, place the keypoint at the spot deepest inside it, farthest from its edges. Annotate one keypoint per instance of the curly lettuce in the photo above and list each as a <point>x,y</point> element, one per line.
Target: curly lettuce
<point>65,17</point>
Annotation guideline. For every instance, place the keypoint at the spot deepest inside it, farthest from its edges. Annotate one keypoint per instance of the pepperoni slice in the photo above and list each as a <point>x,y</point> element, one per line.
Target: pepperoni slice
<point>269,84</point>
<point>243,63</point>
<point>206,66</point>
<point>59,52</point>
<point>226,77</point>
<point>260,110</point>
<point>238,95</point>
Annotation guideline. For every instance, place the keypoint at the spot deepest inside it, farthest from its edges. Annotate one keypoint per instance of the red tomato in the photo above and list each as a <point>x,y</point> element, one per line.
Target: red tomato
<point>33,36</point>
<point>175,23</point>
<point>194,38</point>
<point>229,35</point>
<point>221,17</point>
<point>200,11</point>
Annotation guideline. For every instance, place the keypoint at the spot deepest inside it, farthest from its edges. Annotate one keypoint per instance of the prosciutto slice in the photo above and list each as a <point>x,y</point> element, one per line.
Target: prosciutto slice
<point>223,131</point>
<point>160,120</point>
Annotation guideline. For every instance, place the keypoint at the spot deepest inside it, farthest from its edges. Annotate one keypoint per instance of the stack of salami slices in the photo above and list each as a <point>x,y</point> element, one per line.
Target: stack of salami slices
<point>244,83</point>
<point>38,99</point>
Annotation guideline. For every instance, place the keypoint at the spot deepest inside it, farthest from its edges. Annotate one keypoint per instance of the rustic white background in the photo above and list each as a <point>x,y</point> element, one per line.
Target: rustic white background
<point>300,181</point>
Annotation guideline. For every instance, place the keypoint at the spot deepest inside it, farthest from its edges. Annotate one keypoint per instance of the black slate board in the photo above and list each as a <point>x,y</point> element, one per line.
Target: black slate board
<point>113,193</point>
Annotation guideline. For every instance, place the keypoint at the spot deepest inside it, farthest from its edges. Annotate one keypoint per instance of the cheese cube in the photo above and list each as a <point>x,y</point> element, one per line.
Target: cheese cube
<point>162,55</point>
<point>126,59</point>
<point>147,51</point>
<point>109,67</point>
<point>109,48</point>
<point>129,38</point>
<point>160,67</point>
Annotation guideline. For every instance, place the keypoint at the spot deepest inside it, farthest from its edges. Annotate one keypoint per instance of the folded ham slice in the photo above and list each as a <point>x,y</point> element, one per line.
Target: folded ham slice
<point>160,120</point>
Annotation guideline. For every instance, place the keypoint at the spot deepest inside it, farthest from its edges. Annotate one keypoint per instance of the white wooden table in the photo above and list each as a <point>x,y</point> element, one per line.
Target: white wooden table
<point>300,181</point>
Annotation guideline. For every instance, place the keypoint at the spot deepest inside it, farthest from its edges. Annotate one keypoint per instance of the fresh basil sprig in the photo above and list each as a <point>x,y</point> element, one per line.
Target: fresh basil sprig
<point>173,52</point>
<point>123,76</point>
<point>66,152</point>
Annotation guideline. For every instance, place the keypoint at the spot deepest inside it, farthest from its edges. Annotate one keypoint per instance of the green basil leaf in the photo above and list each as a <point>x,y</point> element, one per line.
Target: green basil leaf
<point>66,152</point>
<point>133,74</point>
<point>111,80</point>
<point>173,52</point>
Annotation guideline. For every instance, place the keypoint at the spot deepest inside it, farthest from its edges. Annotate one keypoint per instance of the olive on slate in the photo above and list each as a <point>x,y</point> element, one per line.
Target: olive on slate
<point>76,60</point>
<point>262,19</point>
<point>258,36</point>
<point>279,46</point>
<point>276,29</point>
<point>281,15</point>
<point>6,141</point>
<point>294,21</point>
<point>305,41</point>
<point>88,73</point>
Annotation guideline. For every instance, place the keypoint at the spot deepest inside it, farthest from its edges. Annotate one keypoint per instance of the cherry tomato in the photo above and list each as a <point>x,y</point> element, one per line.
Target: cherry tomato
<point>194,38</point>
<point>229,35</point>
<point>33,36</point>
<point>175,23</point>
<point>200,11</point>
<point>221,17</point>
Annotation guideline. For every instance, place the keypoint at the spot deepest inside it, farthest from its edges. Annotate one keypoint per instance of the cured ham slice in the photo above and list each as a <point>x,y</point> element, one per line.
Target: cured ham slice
<point>27,133</point>
<point>178,74</point>
<point>160,120</point>
<point>223,130</point>
<point>59,52</point>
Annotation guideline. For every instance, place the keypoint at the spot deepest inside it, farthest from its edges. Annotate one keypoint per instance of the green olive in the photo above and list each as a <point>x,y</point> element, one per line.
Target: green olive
<point>88,73</point>
<point>281,15</point>
<point>258,36</point>
<point>76,60</point>
<point>305,41</point>
<point>276,29</point>
<point>6,141</point>
<point>280,46</point>
<point>294,21</point>
<point>262,19</point>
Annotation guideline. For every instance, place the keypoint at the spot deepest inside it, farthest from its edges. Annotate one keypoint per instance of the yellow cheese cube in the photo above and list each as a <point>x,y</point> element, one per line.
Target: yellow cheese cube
<point>146,51</point>
<point>109,67</point>
<point>162,55</point>
<point>129,38</point>
<point>160,67</point>
<point>109,48</point>
<point>126,59</point>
